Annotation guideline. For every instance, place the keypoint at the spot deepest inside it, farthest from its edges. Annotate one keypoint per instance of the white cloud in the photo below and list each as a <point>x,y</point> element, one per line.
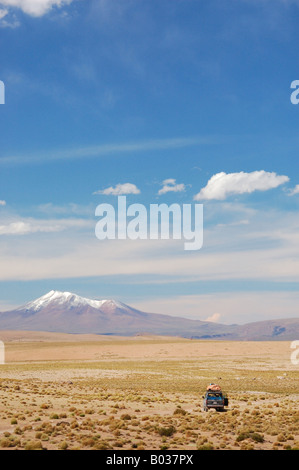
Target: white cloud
<point>169,181</point>
<point>214,318</point>
<point>170,185</point>
<point>11,23</point>
<point>119,190</point>
<point>30,226</point>
<point>23,228</point>
<point>33,7</point>
<point>294,190</point>
<point>3,13</point>
<point>222,185</point>
<point>18,228</point>
<point>2,203</point>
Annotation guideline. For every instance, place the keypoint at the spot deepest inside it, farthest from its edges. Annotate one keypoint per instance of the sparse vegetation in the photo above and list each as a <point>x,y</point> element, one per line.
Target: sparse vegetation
<point>169,431</point>
<point>154,404</point>
<point>255,436</point>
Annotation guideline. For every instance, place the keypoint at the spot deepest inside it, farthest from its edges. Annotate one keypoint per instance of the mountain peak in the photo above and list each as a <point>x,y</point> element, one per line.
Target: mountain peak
<point>63,298</point>
<point>66,312</point>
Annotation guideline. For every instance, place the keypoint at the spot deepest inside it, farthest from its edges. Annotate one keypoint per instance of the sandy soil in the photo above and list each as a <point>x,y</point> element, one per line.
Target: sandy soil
<point>36,346</point>
<point>91,392</point>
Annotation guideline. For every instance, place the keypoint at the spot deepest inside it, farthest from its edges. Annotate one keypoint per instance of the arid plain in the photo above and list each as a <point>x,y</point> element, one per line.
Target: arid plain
<point>61,391</point>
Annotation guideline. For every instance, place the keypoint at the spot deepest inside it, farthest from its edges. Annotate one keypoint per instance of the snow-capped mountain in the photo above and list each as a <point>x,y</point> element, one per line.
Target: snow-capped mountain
<point>66,312</point>
<point>70,300</point>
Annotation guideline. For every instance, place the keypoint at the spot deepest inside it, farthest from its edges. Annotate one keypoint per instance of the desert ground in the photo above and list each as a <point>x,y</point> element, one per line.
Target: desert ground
<point>88,392</point>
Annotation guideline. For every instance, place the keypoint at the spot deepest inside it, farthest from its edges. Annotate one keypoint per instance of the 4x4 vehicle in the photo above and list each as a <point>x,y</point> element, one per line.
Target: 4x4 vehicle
<point>214,399</point>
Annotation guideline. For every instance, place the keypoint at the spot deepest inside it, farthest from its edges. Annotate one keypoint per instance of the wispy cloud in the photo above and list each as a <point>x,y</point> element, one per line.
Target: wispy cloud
<point>104,150</point>
<point>119,189</point>
<point>7,20</point>
<point>170,185</point>
<point>23,228</point>
<point>2,203</point>
<point>3,12</point>
<point>31,226</point>
<point>222,185</point>
<point>34,7</point>
<point>267,249</point>
<point>294,190</point>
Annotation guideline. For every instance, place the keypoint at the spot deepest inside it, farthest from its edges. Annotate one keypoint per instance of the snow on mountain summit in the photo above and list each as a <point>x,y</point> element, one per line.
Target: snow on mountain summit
<point>69,299</point>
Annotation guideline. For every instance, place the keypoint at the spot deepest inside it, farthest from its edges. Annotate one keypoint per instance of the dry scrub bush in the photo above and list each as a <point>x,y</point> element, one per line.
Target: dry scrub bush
<point>33,445</point>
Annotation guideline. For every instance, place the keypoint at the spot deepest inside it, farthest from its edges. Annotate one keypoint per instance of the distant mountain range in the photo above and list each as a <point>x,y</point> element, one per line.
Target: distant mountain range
<point>64,312</point>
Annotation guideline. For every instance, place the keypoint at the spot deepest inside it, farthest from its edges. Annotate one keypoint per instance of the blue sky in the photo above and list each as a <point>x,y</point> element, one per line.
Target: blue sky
<point>99,94</point>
